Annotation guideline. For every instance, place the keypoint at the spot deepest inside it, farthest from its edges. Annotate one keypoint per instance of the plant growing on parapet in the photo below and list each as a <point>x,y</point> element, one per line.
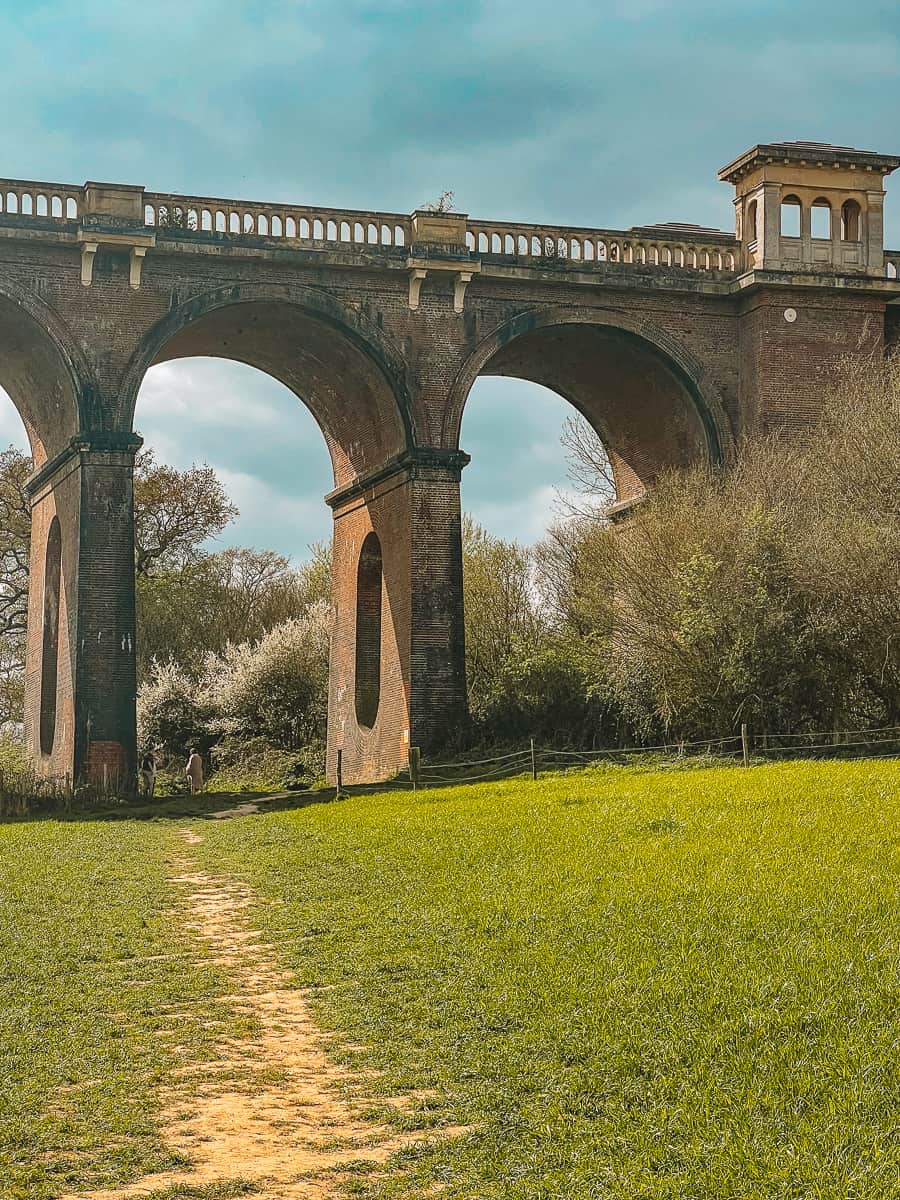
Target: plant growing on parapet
<point>443,204</point>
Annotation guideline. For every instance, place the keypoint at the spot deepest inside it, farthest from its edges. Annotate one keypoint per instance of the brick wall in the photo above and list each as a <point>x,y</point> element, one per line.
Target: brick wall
<point>381,750</point>
<point>786,365</point>
<point>416,515</point>
<point>438,705</point>
<point>106,683</point>
<point>62,499</point>
<point>892,329</point>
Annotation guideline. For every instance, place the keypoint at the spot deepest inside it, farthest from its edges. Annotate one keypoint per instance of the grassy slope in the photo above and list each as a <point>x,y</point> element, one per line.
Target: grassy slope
<point>87,1031</point>
<point>633,984</point>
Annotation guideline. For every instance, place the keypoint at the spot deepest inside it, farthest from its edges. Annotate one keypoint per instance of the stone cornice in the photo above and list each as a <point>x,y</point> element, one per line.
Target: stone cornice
<point>871,285</point>
<point>428,457</point>
<point>99,441</point>
<point>808,153</point>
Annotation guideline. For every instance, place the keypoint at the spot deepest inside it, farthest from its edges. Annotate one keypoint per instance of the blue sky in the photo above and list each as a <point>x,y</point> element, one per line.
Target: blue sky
<point>595,112</point>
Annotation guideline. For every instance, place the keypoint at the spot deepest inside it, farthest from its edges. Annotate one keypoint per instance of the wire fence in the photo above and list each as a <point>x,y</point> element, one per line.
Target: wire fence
<point>23,792</point>
<point>745,747</point>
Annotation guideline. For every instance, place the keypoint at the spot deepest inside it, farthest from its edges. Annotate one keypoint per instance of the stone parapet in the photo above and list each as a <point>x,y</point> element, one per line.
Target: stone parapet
<point>110,213</point>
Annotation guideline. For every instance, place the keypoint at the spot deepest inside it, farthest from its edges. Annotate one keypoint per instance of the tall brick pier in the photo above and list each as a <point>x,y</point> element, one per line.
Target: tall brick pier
<point>674,341</point>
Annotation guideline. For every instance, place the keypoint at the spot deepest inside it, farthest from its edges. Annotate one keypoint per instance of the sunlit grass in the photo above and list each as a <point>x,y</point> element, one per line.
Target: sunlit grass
<point>627,982</point>
<point>101,998</point>
<point>632,984</point>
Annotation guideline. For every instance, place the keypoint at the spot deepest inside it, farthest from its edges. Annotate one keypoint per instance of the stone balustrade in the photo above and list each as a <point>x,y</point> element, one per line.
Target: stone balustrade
<point>54,201</point>
<point>165,214</point>
<point>292,223</point>
<point>664,247</point>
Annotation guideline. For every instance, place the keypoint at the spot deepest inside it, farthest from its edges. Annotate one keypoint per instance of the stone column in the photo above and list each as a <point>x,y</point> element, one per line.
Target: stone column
<point>769,227</point>
<point>80,717</point>
<point>837,246</point>
<point>806,254</point>
<point>408,513</point>
<point>873,232</point>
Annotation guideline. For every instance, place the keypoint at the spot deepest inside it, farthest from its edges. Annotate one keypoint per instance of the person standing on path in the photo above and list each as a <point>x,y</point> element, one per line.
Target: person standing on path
<point>148,774</point>
<point>194,771</point>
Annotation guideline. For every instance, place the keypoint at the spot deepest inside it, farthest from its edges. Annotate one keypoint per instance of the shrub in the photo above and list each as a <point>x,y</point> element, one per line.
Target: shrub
<point>171,713</point>
<point>277,689</point>
<point>765,592</point>
<point>252,764</point>
<point>544,694</point>
<point>13,760</point>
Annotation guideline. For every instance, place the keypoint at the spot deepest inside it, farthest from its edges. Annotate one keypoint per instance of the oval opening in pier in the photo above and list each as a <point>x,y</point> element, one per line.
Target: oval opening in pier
<point>368,631</point>
<point>50,650</point>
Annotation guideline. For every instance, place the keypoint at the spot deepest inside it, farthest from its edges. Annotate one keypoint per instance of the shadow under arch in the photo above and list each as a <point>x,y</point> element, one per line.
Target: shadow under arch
<point>334,360</point>
<point>43,371</point>
<point>639,388</point>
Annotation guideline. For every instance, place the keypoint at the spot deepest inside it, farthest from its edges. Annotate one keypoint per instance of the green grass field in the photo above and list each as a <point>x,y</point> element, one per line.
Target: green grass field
<point>92,975</point>
<point>629,983</point>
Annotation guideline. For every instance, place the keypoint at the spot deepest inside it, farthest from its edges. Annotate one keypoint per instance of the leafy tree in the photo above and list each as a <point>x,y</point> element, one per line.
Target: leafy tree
<point>765,592</point>
<point>175,513</point>
<point>501,607</point>
<point>15,534</point>
<point>235,596</point>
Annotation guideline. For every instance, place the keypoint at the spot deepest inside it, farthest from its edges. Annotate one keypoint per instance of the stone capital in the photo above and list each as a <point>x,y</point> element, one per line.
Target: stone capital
<point>82,446</point>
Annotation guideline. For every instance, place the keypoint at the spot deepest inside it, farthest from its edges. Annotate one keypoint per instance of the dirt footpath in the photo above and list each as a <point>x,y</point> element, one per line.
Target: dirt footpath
<point>274,1115</point>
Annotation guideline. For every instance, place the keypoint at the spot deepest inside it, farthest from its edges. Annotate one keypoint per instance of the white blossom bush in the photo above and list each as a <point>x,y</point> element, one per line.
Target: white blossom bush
<point>170,710</point>
<point>275,690</point>
<point>257,708</point>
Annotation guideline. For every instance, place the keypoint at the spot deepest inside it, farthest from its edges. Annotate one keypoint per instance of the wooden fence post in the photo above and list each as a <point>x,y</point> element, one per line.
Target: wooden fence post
<point>533,760</point>
<point>414,760</point>
<point>745,745</point>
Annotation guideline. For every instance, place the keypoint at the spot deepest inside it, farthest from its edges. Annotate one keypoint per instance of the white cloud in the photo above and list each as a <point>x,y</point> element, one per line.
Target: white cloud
<point>272,518</point>
<point>262,443</point>
<point>209,391</point>
<point>12,431</point>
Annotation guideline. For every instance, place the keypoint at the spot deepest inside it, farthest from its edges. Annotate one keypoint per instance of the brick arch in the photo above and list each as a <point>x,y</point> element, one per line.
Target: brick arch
<point>43,371</point>
<point>334,360</point>
<point>641,389</point>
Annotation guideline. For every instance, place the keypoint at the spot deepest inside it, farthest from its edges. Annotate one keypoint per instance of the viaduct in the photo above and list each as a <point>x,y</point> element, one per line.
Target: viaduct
<point>674,341</point>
